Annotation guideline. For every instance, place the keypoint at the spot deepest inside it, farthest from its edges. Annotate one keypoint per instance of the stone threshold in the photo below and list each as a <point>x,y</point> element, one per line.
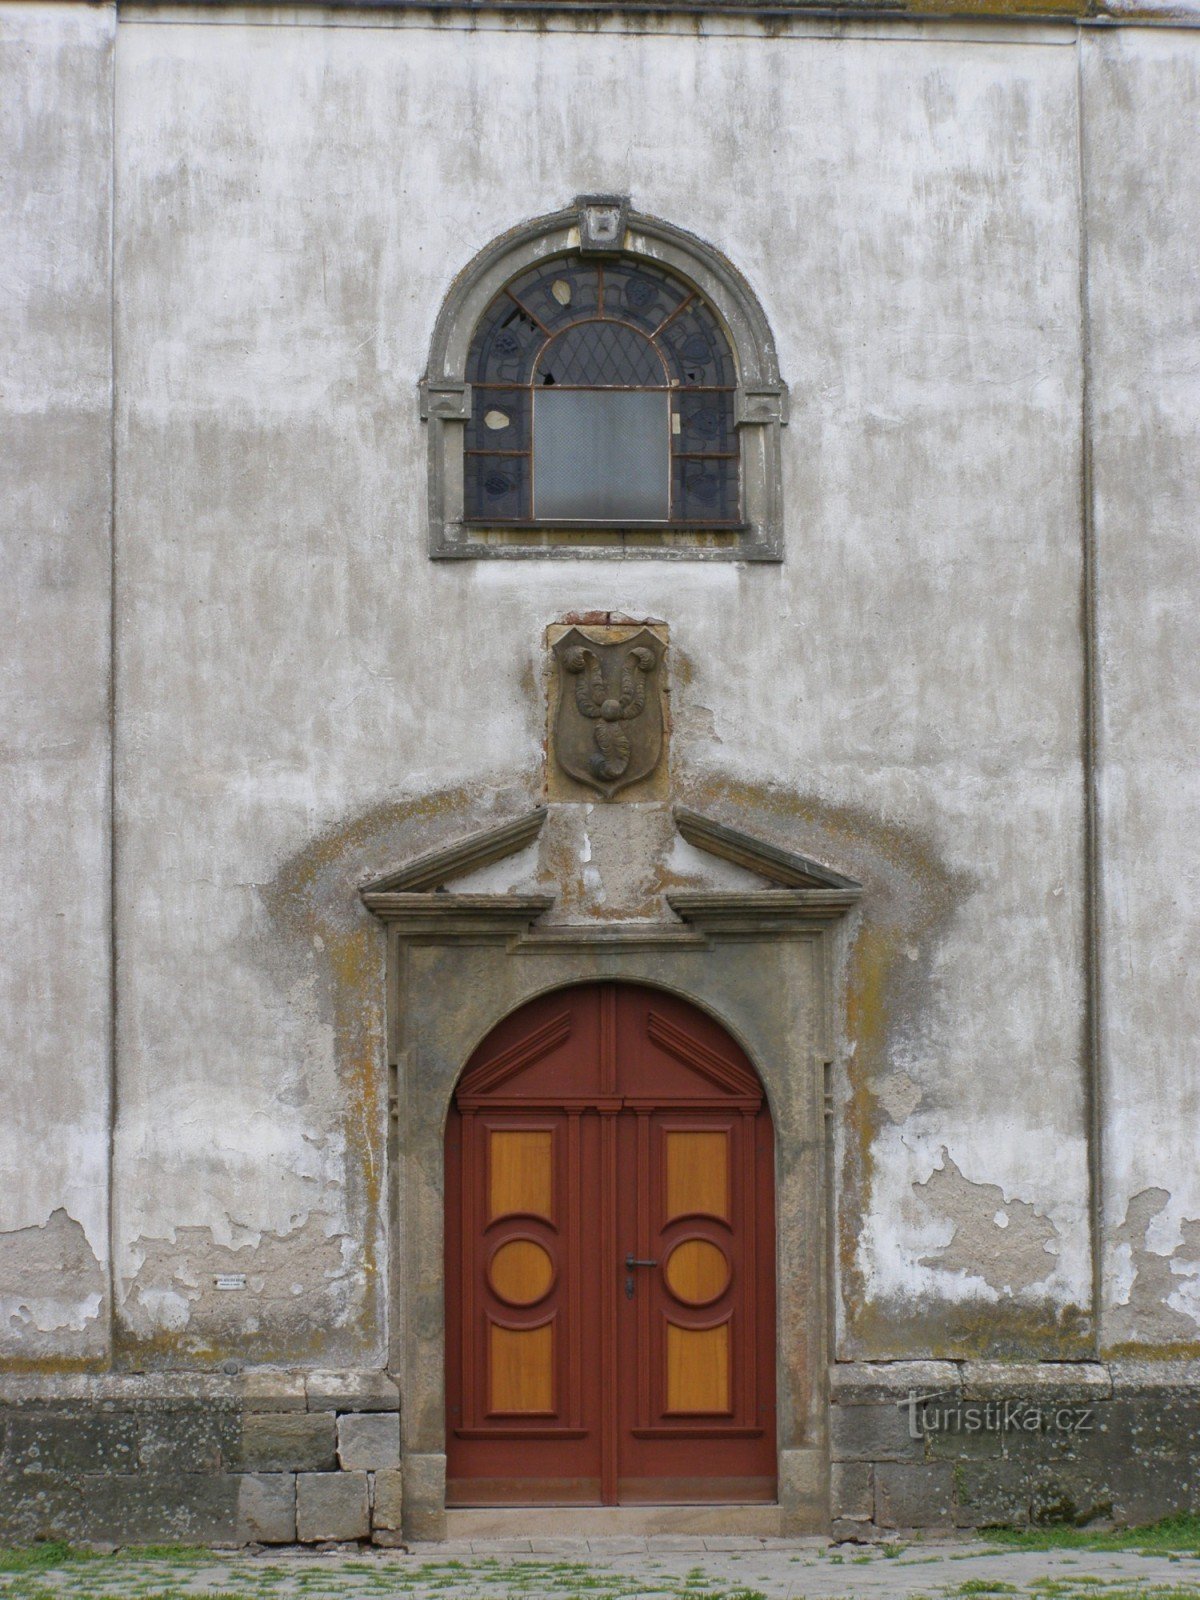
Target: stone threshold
<point>584,1522</point>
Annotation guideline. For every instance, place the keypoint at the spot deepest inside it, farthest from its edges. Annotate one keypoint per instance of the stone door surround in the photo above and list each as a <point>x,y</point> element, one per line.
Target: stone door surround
<point>756,961</point>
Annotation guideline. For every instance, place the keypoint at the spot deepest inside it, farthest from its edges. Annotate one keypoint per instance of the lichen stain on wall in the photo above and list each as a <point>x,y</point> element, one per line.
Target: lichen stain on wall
<point>1153,1279</point>
<point>53,1295</point>
<point>882,989</point>
<point>328,942</point>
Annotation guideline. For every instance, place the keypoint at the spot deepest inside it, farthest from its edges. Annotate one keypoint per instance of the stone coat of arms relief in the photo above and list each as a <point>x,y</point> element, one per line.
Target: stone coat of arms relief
<point>608,721</point>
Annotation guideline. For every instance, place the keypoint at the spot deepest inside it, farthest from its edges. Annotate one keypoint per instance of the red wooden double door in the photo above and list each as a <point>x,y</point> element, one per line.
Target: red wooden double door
<point>610,1260</point>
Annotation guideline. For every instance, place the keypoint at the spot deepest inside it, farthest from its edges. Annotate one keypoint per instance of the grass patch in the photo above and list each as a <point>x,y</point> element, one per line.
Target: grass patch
<point>22,1589</point>
<point>1179,1533</point>
<point>1154,1592</point>
<point>47,1553</point>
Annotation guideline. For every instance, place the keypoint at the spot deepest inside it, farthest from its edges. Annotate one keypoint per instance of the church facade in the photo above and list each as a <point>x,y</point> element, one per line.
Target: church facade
<point>600,811</point>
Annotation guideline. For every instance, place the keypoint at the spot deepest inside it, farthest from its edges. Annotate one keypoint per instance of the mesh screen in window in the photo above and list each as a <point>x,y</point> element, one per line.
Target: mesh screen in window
<point>601,393</point>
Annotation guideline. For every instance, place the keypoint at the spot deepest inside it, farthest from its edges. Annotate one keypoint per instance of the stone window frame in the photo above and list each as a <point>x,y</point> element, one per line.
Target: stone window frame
<point>599,225</point>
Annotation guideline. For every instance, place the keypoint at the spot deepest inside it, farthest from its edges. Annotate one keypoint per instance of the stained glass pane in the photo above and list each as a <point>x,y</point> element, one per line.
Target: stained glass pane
<point>499,419</point>
<point>601,391</point>
<point>705,424</point>
<point>601,355</point>
<point>705,491</point>
<point>641,293</point>
<point>698,349</point>
<point>601,454</point>
<point>558,292</point>
<point>496,488</point>
<point>505,345</point>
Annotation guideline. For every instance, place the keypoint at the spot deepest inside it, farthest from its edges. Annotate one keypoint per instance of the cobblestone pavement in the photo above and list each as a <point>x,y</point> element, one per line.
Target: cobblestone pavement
<point>676,1568</point>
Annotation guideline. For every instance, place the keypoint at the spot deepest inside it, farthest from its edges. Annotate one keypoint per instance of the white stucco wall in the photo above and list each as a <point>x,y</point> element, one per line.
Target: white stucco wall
<point>55,451</point>
<point>293,203</point>
<point>903,696</point>
<point>1143,115</point>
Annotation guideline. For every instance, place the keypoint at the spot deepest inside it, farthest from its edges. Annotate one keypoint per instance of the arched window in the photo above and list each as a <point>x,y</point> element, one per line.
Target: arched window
<point>600,383</point>
<point>601,392</point>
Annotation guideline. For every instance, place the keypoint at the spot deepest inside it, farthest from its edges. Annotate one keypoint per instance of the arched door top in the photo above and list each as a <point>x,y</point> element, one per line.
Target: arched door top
<point>600,1042</point>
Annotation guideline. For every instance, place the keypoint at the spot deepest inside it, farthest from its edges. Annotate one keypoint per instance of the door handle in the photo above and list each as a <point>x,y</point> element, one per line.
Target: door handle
<point>631,1261</point>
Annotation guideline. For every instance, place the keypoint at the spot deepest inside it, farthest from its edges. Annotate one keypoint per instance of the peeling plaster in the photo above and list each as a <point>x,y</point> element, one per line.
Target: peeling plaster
<point>299,1286</point>
<point>328,947</point>
<point>1154,1275</point>
<point>886,1022</point>
<point>329,954</point>
<point>1008,1243</point>
<point>888,1074</point>
<point>52,1290</point>
<point>56,335</point>
<point>329,950</point>
<point>606,861</point>
<point>899,1096</point>
<point>896,747</point>
<point>697,724</point>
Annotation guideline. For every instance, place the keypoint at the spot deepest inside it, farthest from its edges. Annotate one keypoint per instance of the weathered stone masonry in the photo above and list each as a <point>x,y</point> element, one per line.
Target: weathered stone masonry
<point>1019,1443</point>
<point>274,1457</point>
<point>271,1457</point>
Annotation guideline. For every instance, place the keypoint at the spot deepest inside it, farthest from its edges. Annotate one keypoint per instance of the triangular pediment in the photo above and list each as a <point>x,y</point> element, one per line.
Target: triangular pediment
<point>783,867</point>
<point>783,888</point>
<point>474,850</point>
